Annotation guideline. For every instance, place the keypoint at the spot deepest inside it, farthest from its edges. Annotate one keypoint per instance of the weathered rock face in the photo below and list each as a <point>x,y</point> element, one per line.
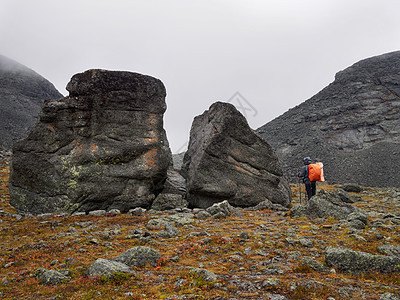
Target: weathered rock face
<point>353,126</point>
<point>22,92</point>
<point>102,147</point>
<point>226,160</point>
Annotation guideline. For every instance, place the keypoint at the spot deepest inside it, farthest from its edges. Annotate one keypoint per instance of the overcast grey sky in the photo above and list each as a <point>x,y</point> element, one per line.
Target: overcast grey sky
<point>275,53</point>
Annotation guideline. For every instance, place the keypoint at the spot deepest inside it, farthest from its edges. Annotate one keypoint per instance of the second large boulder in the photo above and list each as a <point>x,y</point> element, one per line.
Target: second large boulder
<point>227,160</point>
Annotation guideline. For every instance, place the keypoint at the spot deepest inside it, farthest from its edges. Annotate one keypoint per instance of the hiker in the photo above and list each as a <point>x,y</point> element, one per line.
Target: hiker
<point>311,186</point>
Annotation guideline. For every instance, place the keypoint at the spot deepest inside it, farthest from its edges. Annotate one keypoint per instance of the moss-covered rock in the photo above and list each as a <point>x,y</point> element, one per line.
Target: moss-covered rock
<point>313,264</point>
<point>107,268</point>
<point>204,275</point>
<point>358,262</point>
<point>139,257</point>
<point>50,277</point>
<point>391,250</point>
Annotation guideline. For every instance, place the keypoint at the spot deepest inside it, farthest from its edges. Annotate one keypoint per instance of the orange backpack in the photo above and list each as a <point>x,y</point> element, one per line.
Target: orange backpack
<point>316,172</point>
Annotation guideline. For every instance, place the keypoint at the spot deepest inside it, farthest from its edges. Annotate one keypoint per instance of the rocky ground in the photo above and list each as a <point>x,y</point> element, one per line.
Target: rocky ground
<point>259,254</point>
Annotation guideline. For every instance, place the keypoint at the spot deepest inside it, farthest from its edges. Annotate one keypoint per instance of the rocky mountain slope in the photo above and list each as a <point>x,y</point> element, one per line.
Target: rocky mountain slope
<point>352,125</point>
<point>22,92</point>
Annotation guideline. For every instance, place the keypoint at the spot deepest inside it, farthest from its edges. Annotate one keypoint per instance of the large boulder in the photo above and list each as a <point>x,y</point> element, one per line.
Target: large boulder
<point>227,160</point>
<point>102,147</point>
<point>22,92</point>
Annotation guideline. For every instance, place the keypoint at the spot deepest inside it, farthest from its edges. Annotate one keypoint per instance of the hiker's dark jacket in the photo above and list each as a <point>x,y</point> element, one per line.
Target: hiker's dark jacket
<point>304,174</point>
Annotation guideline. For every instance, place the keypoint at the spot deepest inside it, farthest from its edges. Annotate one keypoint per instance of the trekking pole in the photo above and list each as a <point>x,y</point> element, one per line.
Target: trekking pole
<point>300,190</point>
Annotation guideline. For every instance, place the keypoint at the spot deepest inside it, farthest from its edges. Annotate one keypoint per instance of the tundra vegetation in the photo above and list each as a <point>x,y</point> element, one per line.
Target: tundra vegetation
<point>250,254</point>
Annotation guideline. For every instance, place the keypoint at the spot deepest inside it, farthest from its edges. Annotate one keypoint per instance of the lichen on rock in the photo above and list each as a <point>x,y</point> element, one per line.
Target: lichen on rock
<point>101,147</point>
<point>139,257</point>
<point>358,262</point>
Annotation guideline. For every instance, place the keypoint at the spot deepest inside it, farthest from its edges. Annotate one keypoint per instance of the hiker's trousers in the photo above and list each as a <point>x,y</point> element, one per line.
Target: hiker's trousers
<point>311,188</point>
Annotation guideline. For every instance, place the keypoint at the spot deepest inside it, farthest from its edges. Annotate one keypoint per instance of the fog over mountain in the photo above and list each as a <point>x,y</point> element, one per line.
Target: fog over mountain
<point>22,92</point>
<point>275,53</point>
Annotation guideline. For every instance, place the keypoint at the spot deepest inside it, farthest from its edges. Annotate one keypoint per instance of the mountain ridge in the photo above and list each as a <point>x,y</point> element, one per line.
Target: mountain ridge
<point>352,125</point>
